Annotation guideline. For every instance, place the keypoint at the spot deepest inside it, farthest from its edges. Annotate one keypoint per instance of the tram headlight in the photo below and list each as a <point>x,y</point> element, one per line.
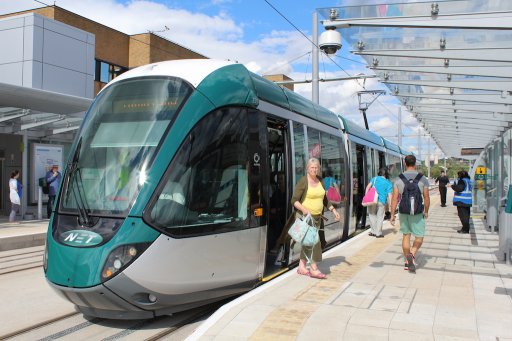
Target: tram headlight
<point>120,258</point>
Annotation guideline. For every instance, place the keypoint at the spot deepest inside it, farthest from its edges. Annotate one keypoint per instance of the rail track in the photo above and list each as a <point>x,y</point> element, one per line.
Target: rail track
<point>76,326</point>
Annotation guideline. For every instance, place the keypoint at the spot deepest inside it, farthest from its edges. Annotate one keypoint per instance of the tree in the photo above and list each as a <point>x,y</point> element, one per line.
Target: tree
<point>453,166</point>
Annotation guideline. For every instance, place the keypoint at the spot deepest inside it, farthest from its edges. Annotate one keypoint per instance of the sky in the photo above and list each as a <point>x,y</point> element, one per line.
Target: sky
<point>267,36</point>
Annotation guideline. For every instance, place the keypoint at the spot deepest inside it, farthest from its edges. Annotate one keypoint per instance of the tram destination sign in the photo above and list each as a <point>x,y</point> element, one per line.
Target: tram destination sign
<point>471,151</point>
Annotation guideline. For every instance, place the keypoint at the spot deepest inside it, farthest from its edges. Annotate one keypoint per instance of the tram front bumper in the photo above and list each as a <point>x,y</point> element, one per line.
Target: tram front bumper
<point>99,301</point>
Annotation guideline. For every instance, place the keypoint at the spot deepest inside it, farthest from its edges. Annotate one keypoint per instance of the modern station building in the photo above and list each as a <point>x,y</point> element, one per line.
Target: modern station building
<point>53,63</point>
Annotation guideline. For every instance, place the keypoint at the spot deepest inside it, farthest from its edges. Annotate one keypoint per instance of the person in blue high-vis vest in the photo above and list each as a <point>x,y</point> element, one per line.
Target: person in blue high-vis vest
<point>463,199</point>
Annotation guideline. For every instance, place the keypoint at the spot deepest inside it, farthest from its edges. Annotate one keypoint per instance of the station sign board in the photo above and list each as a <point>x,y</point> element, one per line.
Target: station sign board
<point>481,170</point>
<point>471,151</point>
<point>480,176</point>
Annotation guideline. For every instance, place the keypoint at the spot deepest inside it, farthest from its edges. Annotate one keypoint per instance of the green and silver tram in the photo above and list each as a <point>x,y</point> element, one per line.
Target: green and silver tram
<point>170,196</point>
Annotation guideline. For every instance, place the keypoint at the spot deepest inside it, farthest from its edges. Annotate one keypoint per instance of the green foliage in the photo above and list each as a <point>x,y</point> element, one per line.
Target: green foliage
<point>453,167</point>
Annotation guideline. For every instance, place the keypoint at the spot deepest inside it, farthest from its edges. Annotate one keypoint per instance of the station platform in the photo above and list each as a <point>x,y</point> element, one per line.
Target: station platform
<point>460,291</point>
<point>21,234</point>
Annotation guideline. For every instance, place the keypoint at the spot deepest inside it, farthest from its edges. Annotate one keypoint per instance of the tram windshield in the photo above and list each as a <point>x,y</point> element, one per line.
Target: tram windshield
<point>118,140</point>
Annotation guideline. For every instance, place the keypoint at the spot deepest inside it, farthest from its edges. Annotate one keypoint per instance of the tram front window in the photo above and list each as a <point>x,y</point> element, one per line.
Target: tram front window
<point>121,133</point>
<point>206,189</point>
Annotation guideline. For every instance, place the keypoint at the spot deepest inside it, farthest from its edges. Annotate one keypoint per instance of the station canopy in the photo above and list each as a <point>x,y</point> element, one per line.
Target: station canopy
<point>448,62</point>
<point>39,113</point>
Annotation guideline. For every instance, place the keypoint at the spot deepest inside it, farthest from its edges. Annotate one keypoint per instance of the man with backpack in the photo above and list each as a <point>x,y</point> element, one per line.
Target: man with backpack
<point>413,188</point>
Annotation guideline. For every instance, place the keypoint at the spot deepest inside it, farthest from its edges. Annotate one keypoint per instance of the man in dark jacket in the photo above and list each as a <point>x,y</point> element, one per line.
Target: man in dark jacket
<point>53,178</point>
<point>443,181</point>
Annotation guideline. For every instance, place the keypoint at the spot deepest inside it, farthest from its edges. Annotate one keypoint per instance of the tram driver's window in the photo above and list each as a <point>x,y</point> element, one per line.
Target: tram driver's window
<point>206,185</point>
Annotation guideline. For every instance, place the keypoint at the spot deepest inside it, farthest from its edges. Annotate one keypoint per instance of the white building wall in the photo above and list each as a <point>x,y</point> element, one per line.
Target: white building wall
<point>42,53</point>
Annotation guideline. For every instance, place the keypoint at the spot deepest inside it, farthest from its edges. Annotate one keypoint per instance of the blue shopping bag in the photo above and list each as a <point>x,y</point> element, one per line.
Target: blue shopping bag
<point>304,232</point>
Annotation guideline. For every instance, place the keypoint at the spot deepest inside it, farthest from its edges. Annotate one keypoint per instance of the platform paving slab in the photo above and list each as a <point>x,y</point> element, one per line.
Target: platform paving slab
<point>461,291</point>
<point>18,235</point>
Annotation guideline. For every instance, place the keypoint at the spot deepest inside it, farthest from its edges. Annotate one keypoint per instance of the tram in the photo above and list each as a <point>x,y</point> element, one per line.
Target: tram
<point>177,187</point>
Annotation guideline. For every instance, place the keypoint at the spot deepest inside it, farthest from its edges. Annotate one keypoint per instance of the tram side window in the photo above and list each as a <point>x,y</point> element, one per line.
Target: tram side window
<point>506,164</point>
<point>298,144</point>
<point>314,147</point>
<point>333,162</point>
<point>370,168</point>
<point>206,185</point>
<point>393,165</point>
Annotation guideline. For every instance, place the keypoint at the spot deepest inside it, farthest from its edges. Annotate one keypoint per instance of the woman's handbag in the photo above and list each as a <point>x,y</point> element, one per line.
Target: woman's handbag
<point>371,197</point>
<point>303,232</point>
<point>333,195</point>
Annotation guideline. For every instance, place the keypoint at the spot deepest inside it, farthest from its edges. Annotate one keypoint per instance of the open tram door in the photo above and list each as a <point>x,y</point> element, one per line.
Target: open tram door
<point>360,180</point>
<point>272,177</point>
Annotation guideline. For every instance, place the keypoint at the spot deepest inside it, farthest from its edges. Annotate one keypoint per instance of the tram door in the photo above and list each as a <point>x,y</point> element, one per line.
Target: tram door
<point>382,160</point>
<point>279,196</point>
<point>258,179</point>
<point>362,180</point>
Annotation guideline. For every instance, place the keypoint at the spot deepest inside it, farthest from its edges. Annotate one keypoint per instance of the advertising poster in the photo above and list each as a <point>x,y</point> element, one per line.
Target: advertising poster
<point>44,156</point>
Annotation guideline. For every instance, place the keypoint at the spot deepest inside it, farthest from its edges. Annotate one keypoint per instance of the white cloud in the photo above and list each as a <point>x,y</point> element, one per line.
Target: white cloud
<point>221,36</point>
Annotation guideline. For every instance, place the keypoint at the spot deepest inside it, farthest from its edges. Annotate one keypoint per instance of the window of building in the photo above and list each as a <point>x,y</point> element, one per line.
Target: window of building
<point>105,72</point>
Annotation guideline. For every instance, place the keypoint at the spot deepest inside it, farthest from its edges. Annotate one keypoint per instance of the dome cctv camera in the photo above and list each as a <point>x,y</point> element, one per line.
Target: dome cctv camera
<point>330,41</point>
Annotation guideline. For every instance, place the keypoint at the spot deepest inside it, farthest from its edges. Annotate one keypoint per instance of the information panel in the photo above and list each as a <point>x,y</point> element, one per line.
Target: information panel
<point>44,156</point>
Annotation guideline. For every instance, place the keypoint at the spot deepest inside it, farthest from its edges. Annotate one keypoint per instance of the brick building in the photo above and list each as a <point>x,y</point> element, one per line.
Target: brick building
<point>115,51</point>
<point>51,56</point>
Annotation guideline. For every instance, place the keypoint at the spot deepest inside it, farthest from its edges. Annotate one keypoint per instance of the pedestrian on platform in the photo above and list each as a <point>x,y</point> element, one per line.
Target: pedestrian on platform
<point>310,197</point>
<point>384,189</point>
<point>463,199</point>
<point>443,182</point>
<point>53,178</point>
<point>13,195</point>
<point>413,188</point>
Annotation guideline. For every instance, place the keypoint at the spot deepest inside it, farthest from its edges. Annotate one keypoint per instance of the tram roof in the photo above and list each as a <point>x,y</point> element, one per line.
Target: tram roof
<point>228,83</point>
<point>405,152</point>
<point>391,146</point>
<point>354,130</point>
<point>448,62</point>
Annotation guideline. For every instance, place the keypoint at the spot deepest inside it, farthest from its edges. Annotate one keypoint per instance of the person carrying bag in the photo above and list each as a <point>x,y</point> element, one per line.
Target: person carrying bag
<point>303,231</point>
<point>309,198</point>
<point>383,189</point>
<point>371,197</point>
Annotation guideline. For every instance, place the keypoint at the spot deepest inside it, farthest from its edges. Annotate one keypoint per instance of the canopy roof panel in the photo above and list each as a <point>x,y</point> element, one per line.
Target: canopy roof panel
<point>448,62</point>
<point>40,113</point>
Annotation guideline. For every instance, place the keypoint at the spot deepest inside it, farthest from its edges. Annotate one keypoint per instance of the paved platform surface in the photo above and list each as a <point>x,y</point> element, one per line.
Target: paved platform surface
<point>21,234</point>
<point>461,291</point>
